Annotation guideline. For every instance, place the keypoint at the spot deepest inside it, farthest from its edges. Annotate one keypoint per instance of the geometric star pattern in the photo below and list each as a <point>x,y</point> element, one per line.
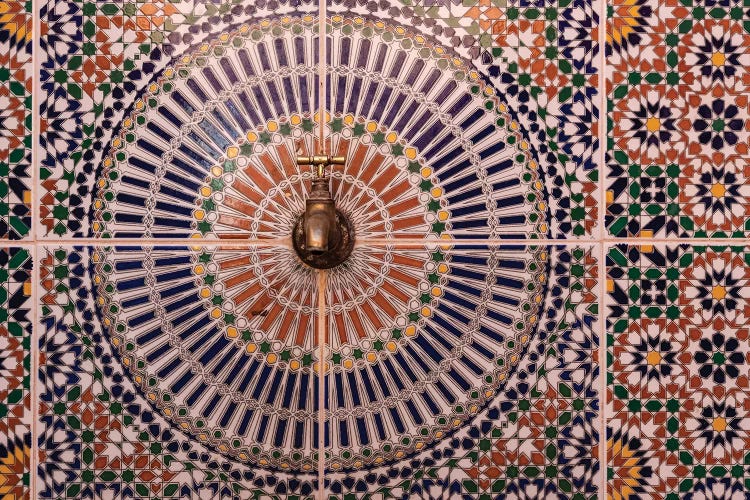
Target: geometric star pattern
<point>16,83</point>
<point>678,128</point>
<point>15,380</point>
<point>452,355</point>
<point>677,356</point>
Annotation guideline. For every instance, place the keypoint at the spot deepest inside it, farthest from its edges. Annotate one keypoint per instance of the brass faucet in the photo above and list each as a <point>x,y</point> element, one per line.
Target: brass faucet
<point>323,237</point>
<point>320,217</point>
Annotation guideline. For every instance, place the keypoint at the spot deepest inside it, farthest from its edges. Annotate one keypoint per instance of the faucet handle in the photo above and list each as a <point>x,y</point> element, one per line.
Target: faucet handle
<point>321,160</point>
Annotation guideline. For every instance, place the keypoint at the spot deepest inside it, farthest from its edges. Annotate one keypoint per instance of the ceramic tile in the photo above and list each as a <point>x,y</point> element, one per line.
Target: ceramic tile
<point>470,151</point>
<point>127,124</point>
<point>679,132</point>
<point>176,373</point>
<point>464,372</point>
<point>15,388</point>
<point>16,72</point>
<point>498,100</point>
<point>677,399</point>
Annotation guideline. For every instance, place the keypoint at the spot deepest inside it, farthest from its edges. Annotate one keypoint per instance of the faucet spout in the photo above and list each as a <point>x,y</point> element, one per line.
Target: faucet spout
<point>323,237</point>
<point>320,218</point>
<point>317,227</point>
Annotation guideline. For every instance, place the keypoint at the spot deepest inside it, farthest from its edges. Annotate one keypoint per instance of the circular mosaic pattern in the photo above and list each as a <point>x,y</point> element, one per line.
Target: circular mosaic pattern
<point>223,340</point>
<point>223,343</point>
<point>431,150</point>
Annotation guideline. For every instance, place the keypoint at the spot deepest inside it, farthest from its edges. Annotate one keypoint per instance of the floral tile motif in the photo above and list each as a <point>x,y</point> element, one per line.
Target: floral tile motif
<point>541,60</point>
<point>464,372</point>
<point>677,404</point>
<point>15,388</point>
<point>679,134</point>
<point>15,119</point>
<point>176,373</point>
<point>97,60</point>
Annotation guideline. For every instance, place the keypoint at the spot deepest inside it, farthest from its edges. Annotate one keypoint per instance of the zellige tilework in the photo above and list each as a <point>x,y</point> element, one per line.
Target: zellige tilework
<point>15,380</point>
<point>541,61</point>
<point>678,126</point>
<point>464,372</point>
<point>176,373</point>
<point>97,60</point>
<point>677,397</point>
<point>433,151</point>
<point>556,136</point>
<point>16,84</point>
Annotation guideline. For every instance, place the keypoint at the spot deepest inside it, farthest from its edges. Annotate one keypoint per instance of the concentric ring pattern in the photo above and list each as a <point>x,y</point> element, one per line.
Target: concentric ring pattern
<point>209,149</point>
<point>222,340</point>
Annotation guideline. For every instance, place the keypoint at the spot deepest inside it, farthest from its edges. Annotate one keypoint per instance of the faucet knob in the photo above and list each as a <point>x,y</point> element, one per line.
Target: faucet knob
<point>321,160</point>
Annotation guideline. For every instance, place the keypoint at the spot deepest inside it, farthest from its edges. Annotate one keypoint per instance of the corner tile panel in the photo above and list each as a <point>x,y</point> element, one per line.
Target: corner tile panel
<point>15,388</point>
<point>102,65</point>
<point>678,352</point>
<point>464,372</point>
<point>176,373</point>
<point>538,63</point>
<point>16,84</point>
<point>678,127</point>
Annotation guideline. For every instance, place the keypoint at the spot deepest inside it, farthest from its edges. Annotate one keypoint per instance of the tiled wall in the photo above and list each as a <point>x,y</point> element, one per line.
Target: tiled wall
<point>161,339</point>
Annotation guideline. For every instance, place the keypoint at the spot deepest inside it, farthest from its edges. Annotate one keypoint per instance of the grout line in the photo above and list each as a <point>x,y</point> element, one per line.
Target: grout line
<point>603,234</point>
<point>679,241</point>
<point>603,116</point>
<point>34,371</point>
<point>322,316</point>
<point>603,371</point>
<point>364,242</point>
<point>188,242</point>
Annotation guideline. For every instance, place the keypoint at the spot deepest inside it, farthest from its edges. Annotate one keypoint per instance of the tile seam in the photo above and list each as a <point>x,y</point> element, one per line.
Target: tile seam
<point>603,116</point>
<point>603,144</point>
<point>322,75</point>
<point>602,351</point>
<point>286,243</point>
<point>35,249</point>
<point>374,243</point>
<point>34,373</point>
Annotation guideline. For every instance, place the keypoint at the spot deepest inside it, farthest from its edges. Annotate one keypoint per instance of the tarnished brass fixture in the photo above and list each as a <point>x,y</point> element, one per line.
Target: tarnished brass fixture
<point>323,236</point>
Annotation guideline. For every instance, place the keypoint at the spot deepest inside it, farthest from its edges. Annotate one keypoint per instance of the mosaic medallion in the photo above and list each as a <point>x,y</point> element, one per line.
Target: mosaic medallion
<point>209,149</point>
<point>222,342</point>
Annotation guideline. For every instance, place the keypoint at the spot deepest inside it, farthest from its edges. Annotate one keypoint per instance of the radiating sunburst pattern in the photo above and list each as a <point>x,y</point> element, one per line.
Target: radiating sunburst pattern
<point>15,457</point>
<point>210,149</point>
<point>421,340</point>
<point>223,343</point>
<point>631,470</point>
<point>16,21</point>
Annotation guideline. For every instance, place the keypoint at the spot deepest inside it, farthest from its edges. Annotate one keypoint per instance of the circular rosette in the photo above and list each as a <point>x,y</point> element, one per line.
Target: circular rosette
<point>421,340</point>
<point>222,342</point>
<point>431,150</point>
